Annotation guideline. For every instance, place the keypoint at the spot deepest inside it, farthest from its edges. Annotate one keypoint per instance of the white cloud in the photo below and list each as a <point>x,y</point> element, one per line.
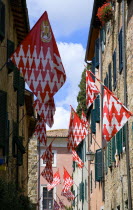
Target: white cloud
<point>73,60</point>
<point>65,16</point>
<point>61,119</point>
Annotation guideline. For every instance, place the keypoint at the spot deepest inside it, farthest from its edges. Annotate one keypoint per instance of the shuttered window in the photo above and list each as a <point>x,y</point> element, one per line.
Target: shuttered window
<point>3,117</point>
<point>97,108</point>
<point>119,141</point>
<point>10,50</point>
<point>120,52</point>
<point>85,189</point>
<point>16,77</point>
<point>113,145</point>
<point>106,161</point>
<point>109,154</point>
<point>114,70</point>
<point>21,90</point>
<point>74,199</point>
<point>109,77</point>
<point>124,135</point>
<point>47,199</point>
<point>2,21</point>
<point>93,122</point>
<point>91,186</point>
<point>97,53</point>
<point>98,165</point>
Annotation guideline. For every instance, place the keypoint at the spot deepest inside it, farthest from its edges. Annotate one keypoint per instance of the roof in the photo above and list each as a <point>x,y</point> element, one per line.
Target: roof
<point>21,20</point>
<point>59,133</point>
<point>93,31</point>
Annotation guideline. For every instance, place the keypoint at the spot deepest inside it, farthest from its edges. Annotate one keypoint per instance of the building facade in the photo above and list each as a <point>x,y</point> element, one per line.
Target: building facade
<point>110,50</point>
<point>61,158</point>
<point>17,120</point>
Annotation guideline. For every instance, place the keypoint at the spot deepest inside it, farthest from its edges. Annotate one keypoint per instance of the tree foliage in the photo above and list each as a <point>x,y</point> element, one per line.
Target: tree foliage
<point>11,198</point>
<point>81,98</point>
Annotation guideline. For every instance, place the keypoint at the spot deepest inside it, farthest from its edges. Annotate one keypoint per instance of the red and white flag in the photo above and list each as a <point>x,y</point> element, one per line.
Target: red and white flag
<point>40,131</point>
<point>91,89</point>
<point>77,131</point>
<point>56,181</point>
<point>46,111</point>
<point>84,120</point>
<point>68,181</point>
<point>56,206</point>
<point>39,61</point>
<point>77,159</point>
<point>61,204</point>
<point>115,115</point>
<point>69,195</point>
<point>47,155</point>
<point>47,172</point>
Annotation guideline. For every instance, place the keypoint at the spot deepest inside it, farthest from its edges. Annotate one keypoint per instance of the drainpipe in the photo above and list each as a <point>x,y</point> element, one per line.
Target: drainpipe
<point>125,103</point>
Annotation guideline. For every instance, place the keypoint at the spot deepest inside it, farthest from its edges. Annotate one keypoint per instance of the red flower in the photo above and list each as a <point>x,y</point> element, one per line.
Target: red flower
<point>105,13</point>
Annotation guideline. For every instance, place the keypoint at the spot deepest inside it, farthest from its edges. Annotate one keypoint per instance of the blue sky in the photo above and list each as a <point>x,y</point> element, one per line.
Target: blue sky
<point>70,22</point>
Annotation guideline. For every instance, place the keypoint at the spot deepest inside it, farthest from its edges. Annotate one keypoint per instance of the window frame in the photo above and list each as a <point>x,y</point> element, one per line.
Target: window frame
<point>54,164</point>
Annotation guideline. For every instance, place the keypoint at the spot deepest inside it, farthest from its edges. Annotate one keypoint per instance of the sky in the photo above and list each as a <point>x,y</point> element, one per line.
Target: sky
<point>70,21</point>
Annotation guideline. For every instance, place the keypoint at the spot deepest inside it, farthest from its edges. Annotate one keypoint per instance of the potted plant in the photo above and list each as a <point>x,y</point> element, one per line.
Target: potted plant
<point>105,13</point>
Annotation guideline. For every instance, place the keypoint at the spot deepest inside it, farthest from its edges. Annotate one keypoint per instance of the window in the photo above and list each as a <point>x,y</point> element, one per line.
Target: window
<point>120,52</point>
<point>98,165</point>
<point>91,182</point>
<point>54,152</point>
<point>44,162</point>
<point>47,199</point>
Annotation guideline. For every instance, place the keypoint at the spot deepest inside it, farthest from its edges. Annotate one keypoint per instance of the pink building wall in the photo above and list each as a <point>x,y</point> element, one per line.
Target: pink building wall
<point>62,158</point>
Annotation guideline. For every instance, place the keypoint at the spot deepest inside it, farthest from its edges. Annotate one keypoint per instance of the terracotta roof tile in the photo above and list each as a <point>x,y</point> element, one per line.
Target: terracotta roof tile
<point>58,133</point>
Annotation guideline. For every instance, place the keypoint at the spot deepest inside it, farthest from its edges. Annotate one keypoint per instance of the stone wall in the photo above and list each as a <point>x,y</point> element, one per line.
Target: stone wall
<point>32,170</point>
<point>116,189</point>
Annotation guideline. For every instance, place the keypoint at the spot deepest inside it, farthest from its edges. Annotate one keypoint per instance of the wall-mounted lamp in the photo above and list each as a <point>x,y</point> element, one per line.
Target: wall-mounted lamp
<point>90,156</point>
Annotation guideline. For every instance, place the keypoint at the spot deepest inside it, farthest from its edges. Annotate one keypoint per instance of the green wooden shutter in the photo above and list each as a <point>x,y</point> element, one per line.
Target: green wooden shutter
<point>83,192</point>
<point>21,91</point>
<point>114,70</point>
<point>109,77</point>
<point>106,161</point>
<point>120,52</point>
<point>85,189</point>
<point>16,77</point>
<point>97,108</point>
<point>93,122</point>
<point>10,50</point>
<point>113,149</point>
<point>97,53</point>
<point>124,135</point>
<point>2,21</point>
<point>91,186</point>
<point>109,154</point>
<point>98,165</point>
<point>80,188</point>
<point>93,68</point>
<point>74,199</point>
<point>119,141</point>
<point>73,165</point>
<point>3,117</point>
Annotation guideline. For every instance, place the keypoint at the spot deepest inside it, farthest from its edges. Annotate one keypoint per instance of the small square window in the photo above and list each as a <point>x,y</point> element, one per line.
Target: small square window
<point>54,153</point>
